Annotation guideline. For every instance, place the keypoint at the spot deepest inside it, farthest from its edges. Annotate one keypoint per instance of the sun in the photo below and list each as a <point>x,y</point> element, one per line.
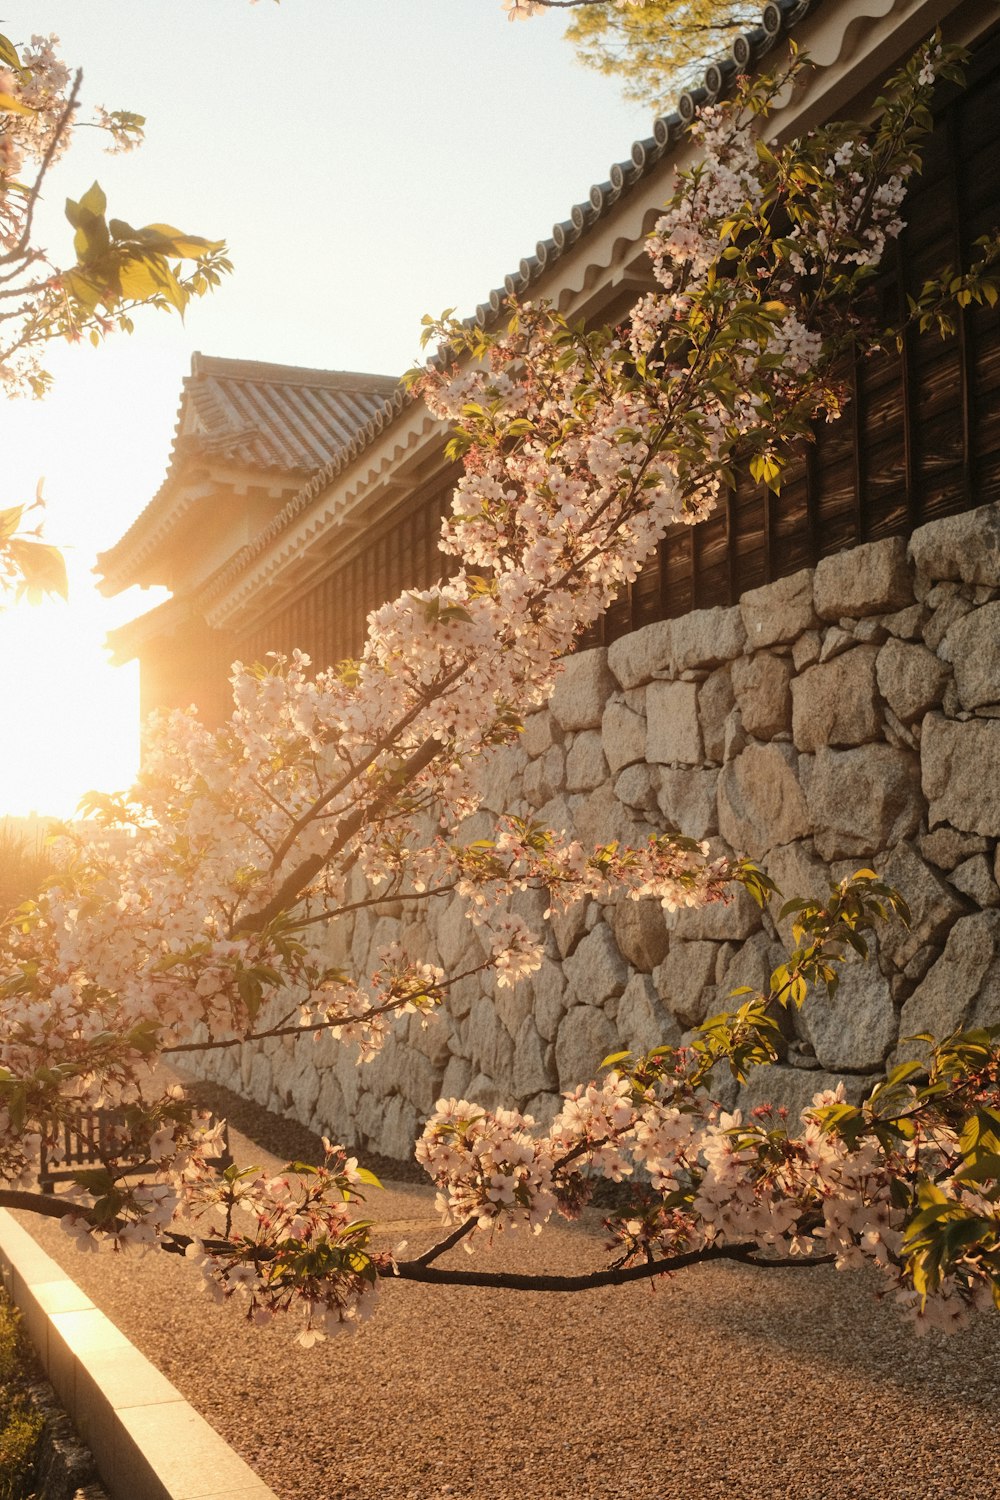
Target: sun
<point>70,720</point>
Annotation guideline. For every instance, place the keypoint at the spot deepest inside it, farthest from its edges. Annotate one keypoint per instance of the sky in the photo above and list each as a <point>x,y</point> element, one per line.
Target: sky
<point>367,161</point>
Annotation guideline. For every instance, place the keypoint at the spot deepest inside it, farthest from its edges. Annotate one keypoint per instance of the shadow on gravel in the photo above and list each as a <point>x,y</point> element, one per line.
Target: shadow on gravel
<point>837,1318</point>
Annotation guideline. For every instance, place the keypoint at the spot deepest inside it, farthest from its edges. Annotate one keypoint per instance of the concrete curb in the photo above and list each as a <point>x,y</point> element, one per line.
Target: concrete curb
<point>147,1441</point>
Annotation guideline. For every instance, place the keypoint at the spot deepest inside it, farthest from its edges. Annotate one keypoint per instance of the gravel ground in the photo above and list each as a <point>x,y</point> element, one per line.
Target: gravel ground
<point>788,1385</point>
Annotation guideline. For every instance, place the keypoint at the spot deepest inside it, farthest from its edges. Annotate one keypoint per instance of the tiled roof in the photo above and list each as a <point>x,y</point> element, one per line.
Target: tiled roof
<point>273,418</point>
<point>266,416</point>
<point>127,640</point>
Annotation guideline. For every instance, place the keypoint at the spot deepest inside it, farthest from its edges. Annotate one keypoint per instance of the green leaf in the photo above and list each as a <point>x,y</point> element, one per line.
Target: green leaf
<point>8,55</point>
<point>14,106</point>
<point>613,1058</point>
<point>42,568</point>
<point>94,201</point>
<point>95,1180</point>
<point>367,1177</point>
<point>170,241</point>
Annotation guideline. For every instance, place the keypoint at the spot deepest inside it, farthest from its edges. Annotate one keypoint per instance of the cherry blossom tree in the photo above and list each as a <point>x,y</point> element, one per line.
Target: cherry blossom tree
<point>205,922</point>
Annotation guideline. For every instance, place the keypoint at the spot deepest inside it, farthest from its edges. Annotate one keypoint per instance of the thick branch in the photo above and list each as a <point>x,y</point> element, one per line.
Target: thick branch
<point>45,1204</point>
<point>417,1270</point>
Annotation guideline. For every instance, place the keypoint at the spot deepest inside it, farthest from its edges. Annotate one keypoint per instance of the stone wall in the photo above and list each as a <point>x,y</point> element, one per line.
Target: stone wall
<point>847,715</point>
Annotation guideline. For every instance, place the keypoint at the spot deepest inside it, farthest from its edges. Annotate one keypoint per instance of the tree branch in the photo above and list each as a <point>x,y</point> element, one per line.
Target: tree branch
<point>419,1270</point>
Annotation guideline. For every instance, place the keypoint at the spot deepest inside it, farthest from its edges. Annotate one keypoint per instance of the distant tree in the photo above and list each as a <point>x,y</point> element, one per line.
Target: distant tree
<point>654,47</point>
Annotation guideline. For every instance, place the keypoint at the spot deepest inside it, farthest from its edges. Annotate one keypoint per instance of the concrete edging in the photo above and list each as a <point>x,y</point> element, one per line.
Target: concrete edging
<point>147,1441</point>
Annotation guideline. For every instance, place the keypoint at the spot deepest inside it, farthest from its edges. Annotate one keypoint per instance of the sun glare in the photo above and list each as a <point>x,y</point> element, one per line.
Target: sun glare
<point>70,718</point>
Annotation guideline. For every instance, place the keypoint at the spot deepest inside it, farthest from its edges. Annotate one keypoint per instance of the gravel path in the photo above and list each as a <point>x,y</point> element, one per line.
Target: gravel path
<point>718,1382</point>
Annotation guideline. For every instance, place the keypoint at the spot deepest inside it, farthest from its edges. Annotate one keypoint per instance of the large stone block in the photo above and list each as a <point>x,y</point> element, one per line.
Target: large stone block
<point>946,847</point>
<point>864,800</point>
<point>389,1125</point>
<point>872,579</point>
<point>687,800</point>
<point>934,907</point>
<point>501,776</point>
<point>540,732</point>
<point>260,1076</point>
<point>586,766</point>
<point>964,981</point>
<point>569,926</point>
<point>964,547</point>
<point>599,817</point>
<point>638,786</point>
<point>760,800</point>
<point>595,970</point>
<point>724,921</point>
<point>799,873</point>
<point>949,607</point>
<point>457,1077</point>
<point>486,1041</point>
<point>488,1093</point>
<point>642,655</point>
<point>673,733</point>
<point>454,935</point>
<point>557,815</point>
<point>512,1005</point>
<point>794,1089</point>
<point>582,689</point>
<point>432,1035</point>
<point>548,988</point>
<point>685,979</point>
<point>715,702</point>
<point>331,1116</point>
<point>641,933</point>
<point>707,637</point>
<point>749,967</point>
<point>543,1108</point>
<point>973,645</point>
<point>623,733</point>
<point>761,687</point>
<point>910,678</point>
<point>780,611</point>
<point>545,777</point>
<point>531,1074</point>
<point>855,1030</point>
<point>586,1037</point>
<point>836,702</point>
<point>642,1023</point>
<point>401,1125</point>
<point>398,1068</point>
<point>960,768</point>
<point>974,878</point>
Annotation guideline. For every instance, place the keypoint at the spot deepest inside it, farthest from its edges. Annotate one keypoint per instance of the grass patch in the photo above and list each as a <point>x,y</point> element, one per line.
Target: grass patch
<point>25,864</point>
<point>20,1424</point>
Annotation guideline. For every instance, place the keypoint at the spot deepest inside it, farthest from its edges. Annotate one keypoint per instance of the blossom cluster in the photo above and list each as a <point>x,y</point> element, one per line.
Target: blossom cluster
<point>701,1178</point>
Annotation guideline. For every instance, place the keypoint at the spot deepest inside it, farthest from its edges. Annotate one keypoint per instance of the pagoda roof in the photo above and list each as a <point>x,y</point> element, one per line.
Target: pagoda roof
<point>279,421</point>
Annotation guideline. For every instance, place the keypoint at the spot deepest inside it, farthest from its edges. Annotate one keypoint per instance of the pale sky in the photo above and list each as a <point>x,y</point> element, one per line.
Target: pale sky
<point>368,161</point>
